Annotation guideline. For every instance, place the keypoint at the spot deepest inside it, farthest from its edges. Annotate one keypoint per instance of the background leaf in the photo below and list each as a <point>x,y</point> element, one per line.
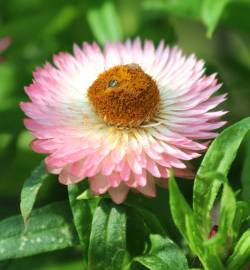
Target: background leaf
<point>49,228</point>
<point>30,190</point>
<point>211,13</point>
<point>105,23</point>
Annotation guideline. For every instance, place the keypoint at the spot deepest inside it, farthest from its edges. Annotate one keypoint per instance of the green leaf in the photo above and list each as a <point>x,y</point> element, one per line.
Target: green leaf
<point>105,24</point>
<point>30,190</point>
<point>241,253</point>
<point>245,175</point>
<point>63,18</point>
<point>151,220</point>
<point>218,158</point>
<point>86,195</point>
<point>227,212</point>
<point>82,215</point>
<point>184,219</point>
<point>180,209</point>
<point>189,9</point>
<point>17,28</point>
<point>164,254</point>
<point>211,13</point>
<point>194,238</point>
<point>148,216</point>
<point>49,228</point>
<point>241,215</point>
<point>136,227</point>
<point>221,243</point>
<point>107,248</point>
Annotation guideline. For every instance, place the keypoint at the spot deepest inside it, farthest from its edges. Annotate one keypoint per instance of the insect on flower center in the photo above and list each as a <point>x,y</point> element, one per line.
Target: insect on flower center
<point>124,96</point>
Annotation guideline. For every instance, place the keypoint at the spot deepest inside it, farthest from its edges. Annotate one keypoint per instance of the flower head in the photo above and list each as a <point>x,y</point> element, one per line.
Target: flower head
<point>122,116</point>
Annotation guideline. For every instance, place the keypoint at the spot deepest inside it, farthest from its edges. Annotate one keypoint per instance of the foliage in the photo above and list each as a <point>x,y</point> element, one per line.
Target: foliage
<point>161,233</point>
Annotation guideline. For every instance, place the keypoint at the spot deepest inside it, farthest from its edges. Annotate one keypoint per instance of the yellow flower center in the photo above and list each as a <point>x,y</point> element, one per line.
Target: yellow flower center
<point>124,96</point>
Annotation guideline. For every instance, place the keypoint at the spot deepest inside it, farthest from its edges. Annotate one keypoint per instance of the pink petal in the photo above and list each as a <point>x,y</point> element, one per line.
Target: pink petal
<point>99,184</point>
<point>119,194</point>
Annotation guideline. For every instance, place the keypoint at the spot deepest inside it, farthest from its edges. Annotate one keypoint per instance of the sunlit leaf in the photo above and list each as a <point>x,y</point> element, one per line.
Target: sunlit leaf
<point>86,195</point>
<point>30,190</point>
<point>179,214</point>
<point>49,228</point>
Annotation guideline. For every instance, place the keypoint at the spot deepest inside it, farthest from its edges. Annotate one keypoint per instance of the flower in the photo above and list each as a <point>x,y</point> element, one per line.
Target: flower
<point>4,43</point>
<point>122,116</point>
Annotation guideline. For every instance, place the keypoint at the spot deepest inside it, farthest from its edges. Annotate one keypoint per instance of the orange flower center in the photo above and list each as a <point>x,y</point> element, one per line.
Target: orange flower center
<point>124,96</point>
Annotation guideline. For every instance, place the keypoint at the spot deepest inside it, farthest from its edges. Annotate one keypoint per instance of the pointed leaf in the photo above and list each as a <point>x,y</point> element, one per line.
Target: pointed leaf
<point>30,190</point>
<point>179,207</point>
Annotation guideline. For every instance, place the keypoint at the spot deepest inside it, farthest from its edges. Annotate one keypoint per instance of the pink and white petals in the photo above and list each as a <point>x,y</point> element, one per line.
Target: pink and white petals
<point>79,144</point>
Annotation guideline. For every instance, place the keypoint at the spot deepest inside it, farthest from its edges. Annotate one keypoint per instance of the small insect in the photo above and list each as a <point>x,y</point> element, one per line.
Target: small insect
<point>112,83</point>
<point>213,231</point>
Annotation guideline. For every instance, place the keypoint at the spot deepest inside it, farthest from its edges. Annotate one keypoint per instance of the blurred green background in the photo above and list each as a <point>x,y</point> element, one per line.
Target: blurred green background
<point>216,30</point>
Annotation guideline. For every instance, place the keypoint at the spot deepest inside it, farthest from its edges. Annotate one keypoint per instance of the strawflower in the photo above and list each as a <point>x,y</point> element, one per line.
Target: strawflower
<point>122,116</point>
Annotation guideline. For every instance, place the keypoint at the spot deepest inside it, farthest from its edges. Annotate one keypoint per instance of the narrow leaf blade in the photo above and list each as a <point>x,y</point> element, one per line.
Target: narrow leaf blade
<point>30,190</point>
<point>179,207</point>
